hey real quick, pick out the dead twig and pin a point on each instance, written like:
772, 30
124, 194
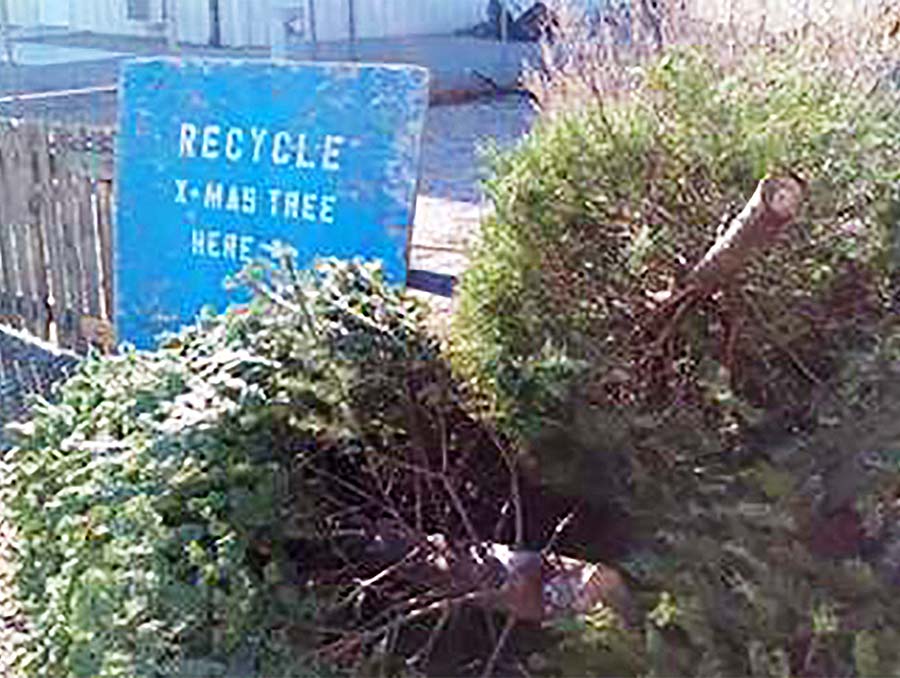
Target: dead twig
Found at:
776, 339
498, 648
557, 531
421, 657
358, 640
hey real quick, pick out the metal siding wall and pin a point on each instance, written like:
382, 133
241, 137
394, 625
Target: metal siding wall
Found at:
246, 22
24, 13
389, 18
193, 21
101, 16
231, 20
333, 19
393, 18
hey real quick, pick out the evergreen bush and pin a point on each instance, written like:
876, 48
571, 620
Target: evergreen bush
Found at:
754, 453
159, 501
603, 208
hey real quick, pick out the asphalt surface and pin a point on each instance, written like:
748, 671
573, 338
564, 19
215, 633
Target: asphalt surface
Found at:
63, 77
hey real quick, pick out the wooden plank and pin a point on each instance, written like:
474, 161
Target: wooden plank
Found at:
28, 306
90, 254
74, 269
11, 196
10, 282
17, 253
39, 151
88, 245
105, 222
96, 327
7, 279
37, 263
48, 168
20, 191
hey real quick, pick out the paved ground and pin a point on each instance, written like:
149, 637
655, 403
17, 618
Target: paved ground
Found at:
79, 61
450, 201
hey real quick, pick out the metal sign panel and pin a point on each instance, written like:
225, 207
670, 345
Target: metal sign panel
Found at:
218, 158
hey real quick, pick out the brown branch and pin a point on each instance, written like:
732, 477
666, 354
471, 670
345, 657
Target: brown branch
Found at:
775, 204
357, 640
498, 648
779, 342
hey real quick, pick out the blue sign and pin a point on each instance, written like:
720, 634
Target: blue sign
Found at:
218, 159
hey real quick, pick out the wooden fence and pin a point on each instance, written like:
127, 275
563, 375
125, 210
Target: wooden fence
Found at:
55, 233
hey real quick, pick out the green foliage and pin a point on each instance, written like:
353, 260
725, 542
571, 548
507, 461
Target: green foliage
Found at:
155, 499
756, 458
599, 209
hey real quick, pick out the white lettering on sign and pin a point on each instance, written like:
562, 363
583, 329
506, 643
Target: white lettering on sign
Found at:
188, 137
280, 156
210, 149
181, 186
248, 200
274, 199
309, 206
229, 246
332, 153
214, 244
326, 209
215, 192
295, 151
234, 200
259, 138
298, 205
243, 199
302, 161
292, 205
281, 147
233, 144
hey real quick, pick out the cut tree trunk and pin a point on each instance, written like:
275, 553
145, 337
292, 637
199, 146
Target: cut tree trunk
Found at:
529, 586
775, 204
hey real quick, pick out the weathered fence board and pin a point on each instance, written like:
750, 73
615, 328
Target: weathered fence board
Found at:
56, 233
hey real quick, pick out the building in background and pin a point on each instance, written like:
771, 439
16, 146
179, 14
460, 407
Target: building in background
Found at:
245, 23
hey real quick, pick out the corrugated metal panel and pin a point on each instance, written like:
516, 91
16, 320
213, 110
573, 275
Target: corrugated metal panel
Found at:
193, 21
111, 16
387, 18
333, 19
247, 22
24, 13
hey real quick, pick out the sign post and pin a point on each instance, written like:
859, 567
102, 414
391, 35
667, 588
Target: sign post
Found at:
219, 158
